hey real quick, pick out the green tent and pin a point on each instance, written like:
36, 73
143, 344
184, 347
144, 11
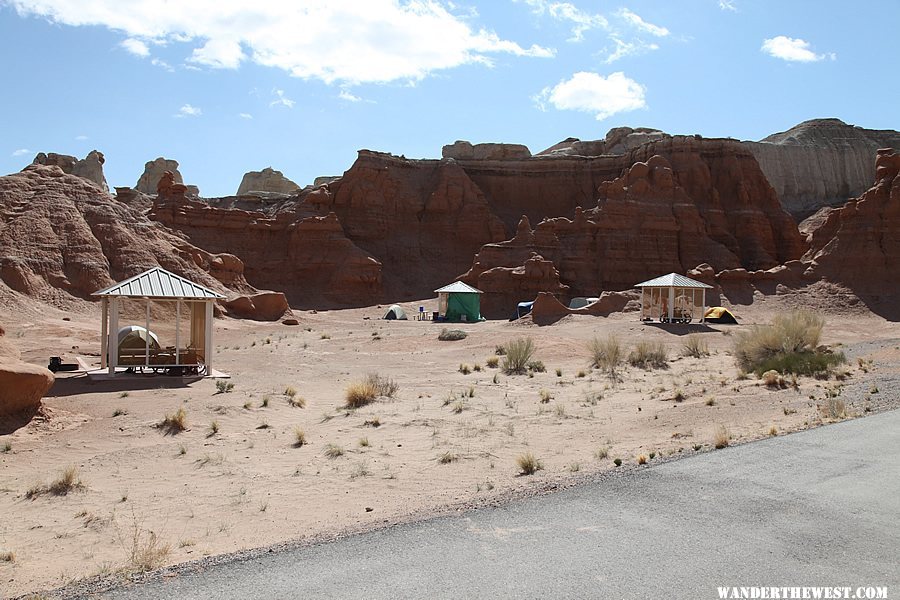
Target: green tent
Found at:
459, 302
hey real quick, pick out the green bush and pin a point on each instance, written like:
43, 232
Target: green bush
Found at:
789, 344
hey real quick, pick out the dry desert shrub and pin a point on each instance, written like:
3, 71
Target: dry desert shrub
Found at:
641, 459
174, 423
492, 362
360, 393
519, 353
789, 344
333, 450
606, 354
648, 355
721, 437
7, 556
834, 408
695, 346
299, 437
528, 464
67, 481
447, 457
773, 378
384, 386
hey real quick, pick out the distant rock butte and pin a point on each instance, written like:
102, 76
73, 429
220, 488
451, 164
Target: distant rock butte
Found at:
463, 150
267, 180
823, 162
89, 168
154, 171
61, 239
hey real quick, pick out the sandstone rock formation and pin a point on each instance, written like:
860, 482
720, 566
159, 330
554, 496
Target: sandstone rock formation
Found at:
262, 306
685, 202
547, 309
154, 171
464, 150
823, 162
524, 282
267, 180
61, 239
309, 258
22, 385
618, 140
90, 167
857, 245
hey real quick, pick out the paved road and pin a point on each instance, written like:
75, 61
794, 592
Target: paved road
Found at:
820, 508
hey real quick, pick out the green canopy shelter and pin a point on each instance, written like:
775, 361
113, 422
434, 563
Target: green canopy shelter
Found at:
459, 302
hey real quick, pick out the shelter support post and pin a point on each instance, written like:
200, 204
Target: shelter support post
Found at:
104, 331
207, 338
177, 330
147, 337
671, 303
113, 345
642, 304
703, 314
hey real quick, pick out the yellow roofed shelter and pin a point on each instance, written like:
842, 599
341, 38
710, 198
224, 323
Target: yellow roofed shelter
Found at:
137, 347
673, 298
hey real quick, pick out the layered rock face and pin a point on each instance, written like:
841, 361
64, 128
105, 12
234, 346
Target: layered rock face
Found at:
858, 244
267, 181
618, 140
89, 168
823, 162
463, 150
154, 171
307, 257
62, 239
686, 201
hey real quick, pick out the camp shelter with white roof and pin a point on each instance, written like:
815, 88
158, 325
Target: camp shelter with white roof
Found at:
673, 298
459, 302
193, 303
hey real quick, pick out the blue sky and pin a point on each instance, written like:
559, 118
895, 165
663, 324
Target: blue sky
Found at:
225, 86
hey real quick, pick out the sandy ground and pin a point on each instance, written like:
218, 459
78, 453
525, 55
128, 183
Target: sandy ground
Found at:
247, 485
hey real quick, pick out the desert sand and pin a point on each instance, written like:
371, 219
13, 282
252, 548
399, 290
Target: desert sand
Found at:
198, 493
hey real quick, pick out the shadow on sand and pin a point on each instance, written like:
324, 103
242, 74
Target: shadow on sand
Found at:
82, 384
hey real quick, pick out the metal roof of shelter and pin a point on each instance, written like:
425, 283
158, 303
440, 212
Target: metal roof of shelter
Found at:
458, 287
674, 280
159, 283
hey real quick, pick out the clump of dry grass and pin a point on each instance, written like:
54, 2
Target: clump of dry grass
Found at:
492, 362
721, 437
605, 354
174, 423
384, 386
789, 344
213, 429
333, 450
373, 422
649, 355
545, 396
695, 346
641, 459
464, 369
447, 457
297, 401
601, 453
145, 550
7, 556
67, 481
299, 437
834, 408
458, 406
773, 378
519, 353
528, 464
360, 393
773, 431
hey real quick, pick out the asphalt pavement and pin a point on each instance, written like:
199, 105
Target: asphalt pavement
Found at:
816, 508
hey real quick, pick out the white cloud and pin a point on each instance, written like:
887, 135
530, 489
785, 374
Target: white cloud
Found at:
345, 95
352, 42
281, 99
642, 25
21, 152
245, 115
791, 49
564, 11
156, 62
624, 49
727, 5
81, 138
136, 47
593, 93
189, 111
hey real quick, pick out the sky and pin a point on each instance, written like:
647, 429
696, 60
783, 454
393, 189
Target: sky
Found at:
228, 86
